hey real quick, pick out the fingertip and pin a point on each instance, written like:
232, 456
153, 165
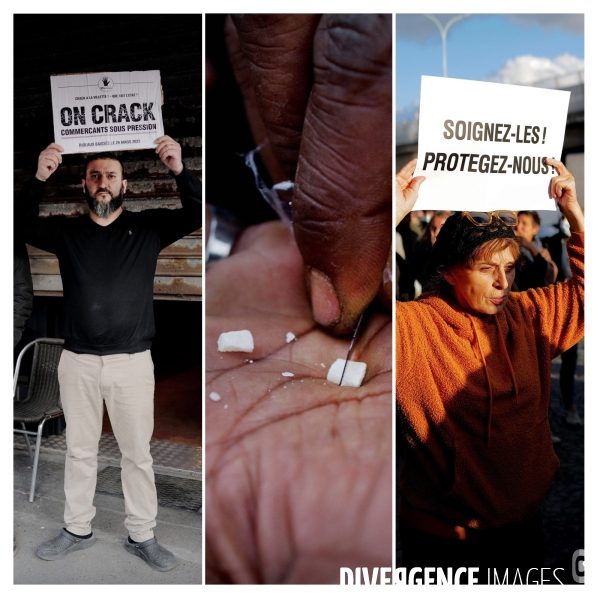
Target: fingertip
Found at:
324, 300
417, 182
332, 307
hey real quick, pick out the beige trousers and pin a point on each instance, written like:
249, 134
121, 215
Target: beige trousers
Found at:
125, 382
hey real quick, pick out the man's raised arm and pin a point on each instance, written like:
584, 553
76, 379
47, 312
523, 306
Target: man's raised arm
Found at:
189, 219
27, 201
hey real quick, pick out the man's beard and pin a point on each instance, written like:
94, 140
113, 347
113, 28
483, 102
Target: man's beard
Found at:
102, 209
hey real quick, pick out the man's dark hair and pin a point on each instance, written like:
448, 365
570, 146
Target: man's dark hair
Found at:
103, 156
534, 215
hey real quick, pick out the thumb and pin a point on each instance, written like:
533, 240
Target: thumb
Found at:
416, 183
342, 207
411, 192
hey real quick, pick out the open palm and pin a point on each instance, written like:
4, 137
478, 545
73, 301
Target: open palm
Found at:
298, 470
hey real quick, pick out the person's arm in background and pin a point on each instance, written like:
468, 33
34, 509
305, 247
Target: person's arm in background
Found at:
551, 268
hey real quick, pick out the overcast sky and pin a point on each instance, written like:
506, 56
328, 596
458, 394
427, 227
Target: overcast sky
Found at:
516, 49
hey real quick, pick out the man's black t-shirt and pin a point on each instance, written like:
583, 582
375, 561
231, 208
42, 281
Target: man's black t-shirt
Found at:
108, 271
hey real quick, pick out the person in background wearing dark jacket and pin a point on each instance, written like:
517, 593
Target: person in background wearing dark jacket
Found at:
23, 290
22, 298
538, 269
424, 246
107, 261
557, 248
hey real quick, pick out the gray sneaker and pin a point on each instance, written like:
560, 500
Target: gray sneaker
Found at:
62, 545
153, 553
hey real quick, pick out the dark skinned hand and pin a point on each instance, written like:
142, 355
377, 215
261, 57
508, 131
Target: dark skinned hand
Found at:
319, 89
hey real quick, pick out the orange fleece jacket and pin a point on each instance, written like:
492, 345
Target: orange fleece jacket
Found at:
473, 394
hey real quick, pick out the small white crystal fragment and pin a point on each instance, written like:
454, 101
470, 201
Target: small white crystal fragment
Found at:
353, 376
215, 396
289, 337
284, 186
236, 340
323, 365
288, 374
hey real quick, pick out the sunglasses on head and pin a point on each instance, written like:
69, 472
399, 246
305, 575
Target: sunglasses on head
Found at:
485, 218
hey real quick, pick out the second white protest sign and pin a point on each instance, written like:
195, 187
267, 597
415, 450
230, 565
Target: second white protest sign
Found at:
481, 145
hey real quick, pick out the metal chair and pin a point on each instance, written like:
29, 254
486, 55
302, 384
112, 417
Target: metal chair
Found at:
43, 398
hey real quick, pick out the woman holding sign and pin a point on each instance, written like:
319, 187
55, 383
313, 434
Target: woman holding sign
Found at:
473, 389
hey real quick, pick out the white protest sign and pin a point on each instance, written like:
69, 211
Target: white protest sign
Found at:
101, 112
481, 145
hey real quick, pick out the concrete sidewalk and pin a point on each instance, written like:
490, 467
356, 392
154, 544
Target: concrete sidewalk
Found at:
107, 562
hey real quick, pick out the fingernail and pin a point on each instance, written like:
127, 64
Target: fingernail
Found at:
323, 298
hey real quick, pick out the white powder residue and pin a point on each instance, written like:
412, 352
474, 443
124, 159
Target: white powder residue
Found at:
215, 396
287, 374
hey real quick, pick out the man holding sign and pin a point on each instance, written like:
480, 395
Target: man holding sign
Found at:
107, 261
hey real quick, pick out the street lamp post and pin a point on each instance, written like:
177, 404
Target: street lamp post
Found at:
443, 32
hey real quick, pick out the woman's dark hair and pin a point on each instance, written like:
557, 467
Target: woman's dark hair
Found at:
458, 242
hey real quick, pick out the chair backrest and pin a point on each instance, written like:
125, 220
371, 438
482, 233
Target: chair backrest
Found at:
43, 381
